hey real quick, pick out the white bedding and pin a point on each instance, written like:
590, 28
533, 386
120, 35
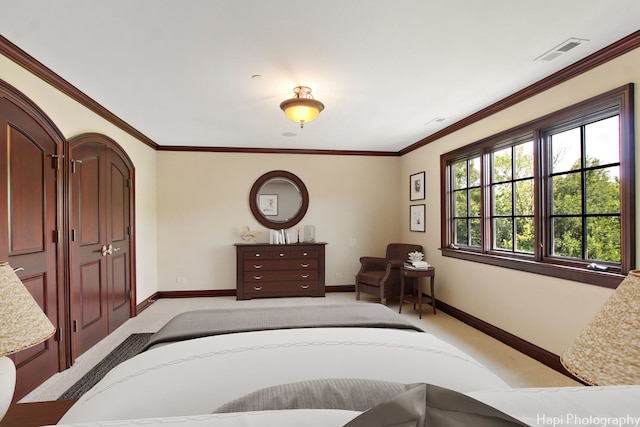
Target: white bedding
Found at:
194, 377
557, 407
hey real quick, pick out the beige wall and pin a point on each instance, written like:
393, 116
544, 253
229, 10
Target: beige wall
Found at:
203, 203
546, 311
73, 119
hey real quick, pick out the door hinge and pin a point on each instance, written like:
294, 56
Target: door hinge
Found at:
75, 326
130, 293
56, 236
58, 334
56, 160
73, 235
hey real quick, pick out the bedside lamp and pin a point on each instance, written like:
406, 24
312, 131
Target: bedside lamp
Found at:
607, 351
23, 324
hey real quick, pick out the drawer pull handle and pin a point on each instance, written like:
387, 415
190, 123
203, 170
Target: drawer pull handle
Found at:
257, 266
304, 265
304, 286
304, 276
257, 288
257, 277
281, 254
304, 254
257, 255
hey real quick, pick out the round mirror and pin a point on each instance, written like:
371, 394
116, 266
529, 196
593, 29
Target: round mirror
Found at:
279, 199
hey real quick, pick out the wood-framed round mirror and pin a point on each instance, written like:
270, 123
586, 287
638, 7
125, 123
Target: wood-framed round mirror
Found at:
279, 199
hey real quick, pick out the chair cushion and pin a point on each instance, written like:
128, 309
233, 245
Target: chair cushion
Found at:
371, 277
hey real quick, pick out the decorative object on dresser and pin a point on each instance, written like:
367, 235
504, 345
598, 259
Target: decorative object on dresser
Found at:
309, 235
284, 270
248, 235
23, 324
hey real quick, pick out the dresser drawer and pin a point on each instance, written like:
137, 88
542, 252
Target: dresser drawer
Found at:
258, 254
286, 288
287, 264
304, 254
280, 276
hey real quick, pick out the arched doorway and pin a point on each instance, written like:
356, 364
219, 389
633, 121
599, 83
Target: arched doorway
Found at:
101, 240
31, 147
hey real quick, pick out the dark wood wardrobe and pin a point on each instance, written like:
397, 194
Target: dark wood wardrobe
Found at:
66, 218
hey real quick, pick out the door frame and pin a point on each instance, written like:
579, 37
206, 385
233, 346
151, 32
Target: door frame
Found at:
93, 137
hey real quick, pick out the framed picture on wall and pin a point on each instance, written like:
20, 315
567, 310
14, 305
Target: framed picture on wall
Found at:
416, 217
416, 190
269, 204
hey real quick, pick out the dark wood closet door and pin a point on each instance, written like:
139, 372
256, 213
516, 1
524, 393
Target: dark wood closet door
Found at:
100, 283
88, 250
28, 229
118, 231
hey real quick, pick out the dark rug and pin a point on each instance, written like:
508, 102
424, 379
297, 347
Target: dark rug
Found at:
127, 349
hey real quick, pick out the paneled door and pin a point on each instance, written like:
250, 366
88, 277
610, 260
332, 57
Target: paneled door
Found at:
29, 224
100, 229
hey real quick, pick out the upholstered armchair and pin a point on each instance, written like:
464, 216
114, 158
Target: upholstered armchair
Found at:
381, 276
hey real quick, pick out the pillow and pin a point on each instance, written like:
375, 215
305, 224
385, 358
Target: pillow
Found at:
432, 406
337, 393
405, 410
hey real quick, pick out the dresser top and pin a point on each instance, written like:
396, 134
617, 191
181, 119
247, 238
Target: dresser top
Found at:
280, 245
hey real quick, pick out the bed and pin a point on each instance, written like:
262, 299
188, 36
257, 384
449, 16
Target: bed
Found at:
202, 362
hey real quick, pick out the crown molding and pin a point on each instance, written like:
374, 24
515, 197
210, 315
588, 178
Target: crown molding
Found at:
37, 68
592, 61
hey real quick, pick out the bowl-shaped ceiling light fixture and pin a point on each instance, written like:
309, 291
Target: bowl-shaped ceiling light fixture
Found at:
302, 108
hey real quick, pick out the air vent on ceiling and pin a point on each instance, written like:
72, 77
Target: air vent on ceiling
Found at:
561, 49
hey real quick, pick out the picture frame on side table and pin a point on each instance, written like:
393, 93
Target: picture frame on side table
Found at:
416, 186
268, 204
416, 218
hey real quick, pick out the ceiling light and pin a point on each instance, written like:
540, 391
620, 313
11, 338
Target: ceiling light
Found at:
302, 108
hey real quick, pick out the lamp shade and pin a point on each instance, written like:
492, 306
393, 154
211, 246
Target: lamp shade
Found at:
23, 324
607, 351
303, 108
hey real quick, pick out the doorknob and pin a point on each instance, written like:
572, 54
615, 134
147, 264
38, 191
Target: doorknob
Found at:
106, 250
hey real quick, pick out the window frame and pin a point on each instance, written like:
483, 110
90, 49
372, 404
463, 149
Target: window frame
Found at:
620, 99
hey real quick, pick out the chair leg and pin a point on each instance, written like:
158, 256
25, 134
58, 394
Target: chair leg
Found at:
357, 295
383, 301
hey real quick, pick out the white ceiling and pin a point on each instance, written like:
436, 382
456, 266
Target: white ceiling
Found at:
180, 71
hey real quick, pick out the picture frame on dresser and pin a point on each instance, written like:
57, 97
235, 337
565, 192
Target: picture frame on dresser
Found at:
417, 218
416, 186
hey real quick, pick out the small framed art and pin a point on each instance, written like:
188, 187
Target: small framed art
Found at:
416, 190
416, 217
269, 204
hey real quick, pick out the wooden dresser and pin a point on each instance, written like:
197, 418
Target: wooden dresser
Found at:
265, 270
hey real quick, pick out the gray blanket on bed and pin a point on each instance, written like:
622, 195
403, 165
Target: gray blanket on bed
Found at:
201, 323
